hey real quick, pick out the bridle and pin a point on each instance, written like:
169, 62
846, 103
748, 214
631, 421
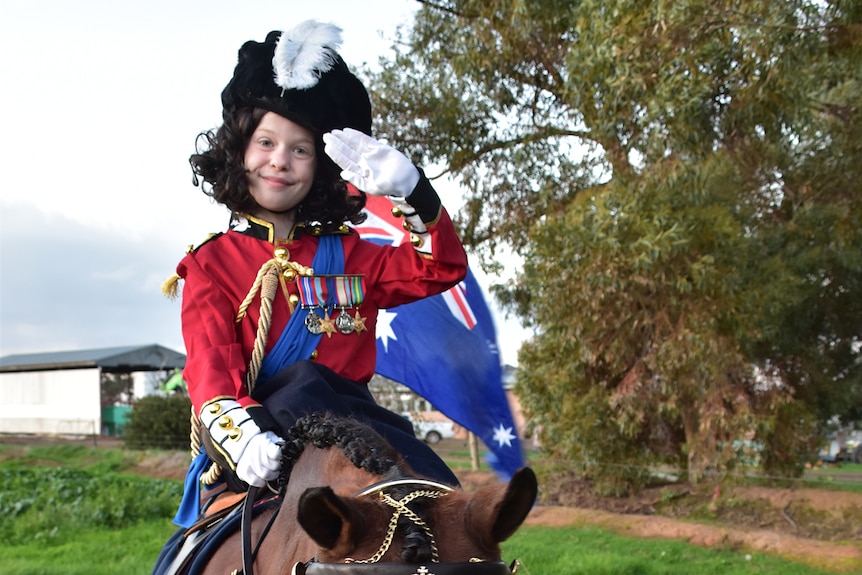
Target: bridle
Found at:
466, 568
432, 490
422, 488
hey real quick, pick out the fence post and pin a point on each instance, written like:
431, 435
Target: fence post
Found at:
473, 441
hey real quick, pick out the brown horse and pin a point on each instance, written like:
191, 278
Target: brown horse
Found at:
347, 503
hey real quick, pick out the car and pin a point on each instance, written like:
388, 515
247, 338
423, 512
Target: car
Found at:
846, 446
430, 428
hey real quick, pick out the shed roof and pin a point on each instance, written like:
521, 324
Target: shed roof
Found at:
111, 359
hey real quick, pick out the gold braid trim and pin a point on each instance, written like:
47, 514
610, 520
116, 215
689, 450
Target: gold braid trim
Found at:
171, 287
267, 294
266, 282
212, 474
400, 508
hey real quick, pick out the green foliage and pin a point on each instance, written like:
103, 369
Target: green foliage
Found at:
50, 505
790, 440
58, 543
94, 460
159, 422
684, 184
116, 388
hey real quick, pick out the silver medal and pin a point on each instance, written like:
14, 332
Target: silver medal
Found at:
312, 323
344, 323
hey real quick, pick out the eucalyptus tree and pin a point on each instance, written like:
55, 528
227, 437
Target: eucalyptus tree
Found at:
682, 183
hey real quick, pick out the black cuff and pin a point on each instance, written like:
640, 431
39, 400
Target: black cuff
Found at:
264, 419
425, 200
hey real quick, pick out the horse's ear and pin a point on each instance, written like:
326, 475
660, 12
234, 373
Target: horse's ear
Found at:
500, 512
325, 517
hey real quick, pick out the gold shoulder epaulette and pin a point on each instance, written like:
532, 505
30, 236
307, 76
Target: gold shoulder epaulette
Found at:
208, 238
171, 286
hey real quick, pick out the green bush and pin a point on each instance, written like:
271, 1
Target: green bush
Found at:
48, 504
159, 422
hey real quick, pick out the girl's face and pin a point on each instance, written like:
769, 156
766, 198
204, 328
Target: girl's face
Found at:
280, 162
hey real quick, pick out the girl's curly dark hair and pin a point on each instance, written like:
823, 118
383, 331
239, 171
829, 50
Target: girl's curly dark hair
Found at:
219, 162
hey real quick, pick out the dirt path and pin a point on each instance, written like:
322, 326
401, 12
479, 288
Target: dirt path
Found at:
819, 528
837, 557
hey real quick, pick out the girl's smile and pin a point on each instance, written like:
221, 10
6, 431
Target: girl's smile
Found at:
280, 162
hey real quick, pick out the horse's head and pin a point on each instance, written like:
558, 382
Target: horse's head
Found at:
416, 521
376, 511
349, 505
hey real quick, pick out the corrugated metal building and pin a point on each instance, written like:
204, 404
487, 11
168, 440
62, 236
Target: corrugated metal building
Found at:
59, 392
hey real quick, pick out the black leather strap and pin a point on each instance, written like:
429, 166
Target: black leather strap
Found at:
482, 568
247, 516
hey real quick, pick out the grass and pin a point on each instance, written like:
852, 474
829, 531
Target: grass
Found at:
593, 551
94, 551
69, 510
842, 477
540, 550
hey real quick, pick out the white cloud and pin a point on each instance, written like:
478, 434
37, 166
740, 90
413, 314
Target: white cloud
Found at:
102, 103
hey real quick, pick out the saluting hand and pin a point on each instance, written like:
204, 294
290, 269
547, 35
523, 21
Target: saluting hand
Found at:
370, 165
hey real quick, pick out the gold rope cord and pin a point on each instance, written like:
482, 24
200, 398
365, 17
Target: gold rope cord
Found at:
266, 282
212, 474
267, 294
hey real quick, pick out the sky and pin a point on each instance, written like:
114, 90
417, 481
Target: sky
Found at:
101, 104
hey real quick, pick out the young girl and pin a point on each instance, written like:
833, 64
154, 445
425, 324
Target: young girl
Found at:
279, 312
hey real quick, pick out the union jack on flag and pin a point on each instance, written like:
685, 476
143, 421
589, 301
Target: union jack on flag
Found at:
445, 349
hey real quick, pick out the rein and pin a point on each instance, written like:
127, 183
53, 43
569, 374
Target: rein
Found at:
248, 554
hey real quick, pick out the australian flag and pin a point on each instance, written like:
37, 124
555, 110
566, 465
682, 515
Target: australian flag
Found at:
444, 348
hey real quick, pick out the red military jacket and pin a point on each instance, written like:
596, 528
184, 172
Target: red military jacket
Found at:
219, 274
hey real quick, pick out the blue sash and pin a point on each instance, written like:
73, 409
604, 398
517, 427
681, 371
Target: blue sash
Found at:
294, 343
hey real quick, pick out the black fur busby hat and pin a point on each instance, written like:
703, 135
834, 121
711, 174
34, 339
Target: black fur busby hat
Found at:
298, 74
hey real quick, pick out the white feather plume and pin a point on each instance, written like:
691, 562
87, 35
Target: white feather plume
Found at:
304, 53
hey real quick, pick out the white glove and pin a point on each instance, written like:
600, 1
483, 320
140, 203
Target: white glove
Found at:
256, 456
370, 165
260, 460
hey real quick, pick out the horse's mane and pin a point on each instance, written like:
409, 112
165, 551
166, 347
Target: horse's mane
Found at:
367, 450
363, 446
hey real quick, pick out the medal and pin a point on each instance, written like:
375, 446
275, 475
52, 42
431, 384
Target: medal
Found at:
359, 323
327, 325
325, 292
344, 322
313, 323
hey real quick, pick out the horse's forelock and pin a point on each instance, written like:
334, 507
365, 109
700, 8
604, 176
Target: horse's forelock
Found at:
362, 446
367, 450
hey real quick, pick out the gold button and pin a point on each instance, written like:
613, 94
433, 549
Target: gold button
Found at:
293, 298
416, 240
396, 211
314, 354
406, 225
214, 408
234, 434
225, 422
289, 274
281, 253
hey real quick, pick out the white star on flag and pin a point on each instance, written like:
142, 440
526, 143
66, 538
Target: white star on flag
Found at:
503, 435
384, 330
